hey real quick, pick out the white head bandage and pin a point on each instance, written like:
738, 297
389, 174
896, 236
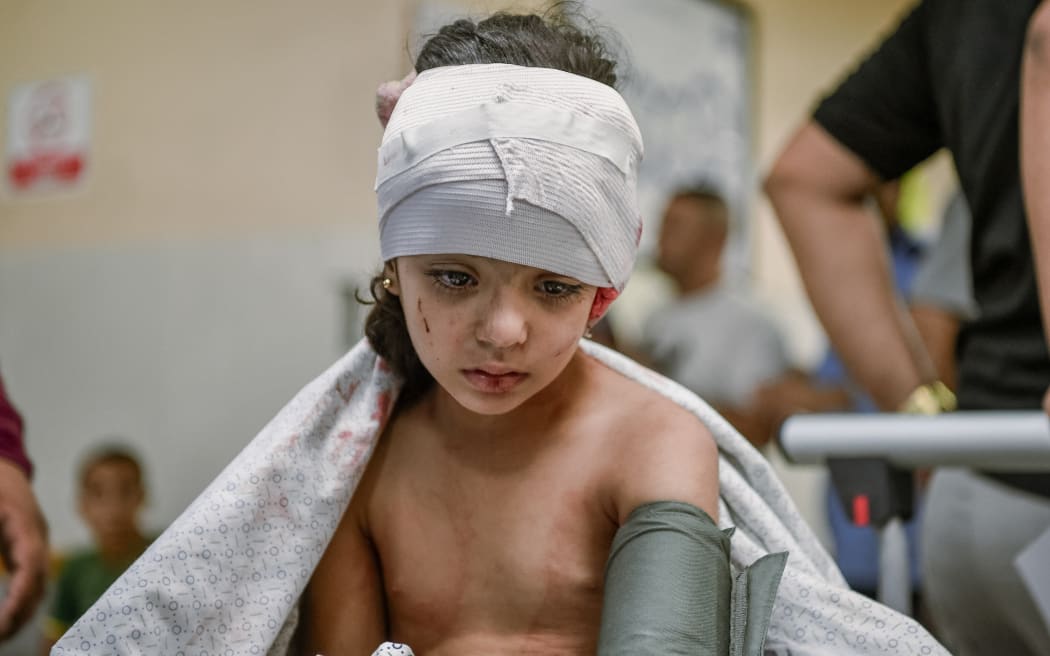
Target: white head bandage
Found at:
534, 166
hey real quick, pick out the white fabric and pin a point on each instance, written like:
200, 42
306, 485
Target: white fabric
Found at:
516, 144
226, 576
458, 219
393, 649
505, 120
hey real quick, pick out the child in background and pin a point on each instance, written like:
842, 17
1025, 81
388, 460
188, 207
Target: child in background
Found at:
110, 498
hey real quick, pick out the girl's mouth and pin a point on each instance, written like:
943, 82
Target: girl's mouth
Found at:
491, 382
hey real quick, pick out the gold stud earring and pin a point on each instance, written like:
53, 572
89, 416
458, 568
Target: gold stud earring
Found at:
387, 282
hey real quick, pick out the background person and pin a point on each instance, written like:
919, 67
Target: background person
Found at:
111, 497
949, 76
828, 388
938, 291
710, 338
23, 531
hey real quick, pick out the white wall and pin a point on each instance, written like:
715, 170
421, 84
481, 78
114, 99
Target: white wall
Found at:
185, 349
193, 283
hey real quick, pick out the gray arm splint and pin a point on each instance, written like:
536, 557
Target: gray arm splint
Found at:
670, 590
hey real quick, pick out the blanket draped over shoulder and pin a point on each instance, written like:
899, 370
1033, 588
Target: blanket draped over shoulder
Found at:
225, 578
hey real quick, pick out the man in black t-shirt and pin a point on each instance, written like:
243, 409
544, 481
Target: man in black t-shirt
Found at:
972, 76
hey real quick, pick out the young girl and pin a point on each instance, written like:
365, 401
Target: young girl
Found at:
527, 492
485, 518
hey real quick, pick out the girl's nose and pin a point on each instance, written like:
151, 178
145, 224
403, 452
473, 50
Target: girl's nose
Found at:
503, 323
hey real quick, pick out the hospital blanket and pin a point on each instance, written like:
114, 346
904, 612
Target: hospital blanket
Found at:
225, 578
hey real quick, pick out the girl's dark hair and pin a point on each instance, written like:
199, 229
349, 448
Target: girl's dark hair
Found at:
552, 40
387, 333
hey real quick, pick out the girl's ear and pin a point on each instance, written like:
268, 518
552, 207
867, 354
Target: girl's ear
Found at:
603, 298
390, 280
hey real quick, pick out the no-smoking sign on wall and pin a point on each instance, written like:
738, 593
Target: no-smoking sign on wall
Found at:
49, 134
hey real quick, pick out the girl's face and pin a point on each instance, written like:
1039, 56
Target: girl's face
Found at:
491, 333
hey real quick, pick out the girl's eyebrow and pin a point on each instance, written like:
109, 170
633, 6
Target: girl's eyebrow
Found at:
569, 280
439, 261
444, 257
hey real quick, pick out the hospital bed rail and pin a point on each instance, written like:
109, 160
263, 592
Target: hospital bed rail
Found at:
871, 458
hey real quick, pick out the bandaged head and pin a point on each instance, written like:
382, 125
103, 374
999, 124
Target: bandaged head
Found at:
534, 166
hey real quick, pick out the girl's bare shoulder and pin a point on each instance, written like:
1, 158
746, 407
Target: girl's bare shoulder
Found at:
634, 406
659, 451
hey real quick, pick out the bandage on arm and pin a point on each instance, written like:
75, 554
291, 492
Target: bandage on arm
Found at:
669, 588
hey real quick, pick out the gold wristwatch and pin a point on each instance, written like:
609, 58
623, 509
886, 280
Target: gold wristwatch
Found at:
929, 399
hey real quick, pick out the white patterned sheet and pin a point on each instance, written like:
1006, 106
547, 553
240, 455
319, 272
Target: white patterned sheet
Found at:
225, 578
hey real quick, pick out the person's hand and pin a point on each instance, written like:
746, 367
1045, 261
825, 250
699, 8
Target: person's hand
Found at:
795, 392
388, 94
781, 397
23, 546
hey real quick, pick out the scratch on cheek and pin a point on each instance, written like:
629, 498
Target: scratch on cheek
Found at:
419, 306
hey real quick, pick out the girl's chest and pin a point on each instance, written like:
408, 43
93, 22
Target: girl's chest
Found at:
459, 549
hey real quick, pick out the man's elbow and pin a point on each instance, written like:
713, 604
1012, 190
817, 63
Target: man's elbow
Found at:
796, 170
790, 181
781, 179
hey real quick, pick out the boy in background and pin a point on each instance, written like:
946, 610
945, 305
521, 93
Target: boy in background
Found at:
111, 496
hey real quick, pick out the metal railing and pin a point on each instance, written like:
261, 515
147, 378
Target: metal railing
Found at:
868, 453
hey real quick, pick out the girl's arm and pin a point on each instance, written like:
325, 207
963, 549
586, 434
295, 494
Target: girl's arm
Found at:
667, 580
342, 609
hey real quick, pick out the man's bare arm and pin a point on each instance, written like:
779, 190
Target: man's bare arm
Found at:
939, 330
818, 188
1035, 152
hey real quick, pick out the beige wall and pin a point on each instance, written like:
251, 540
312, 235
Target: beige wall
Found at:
803, 47
210, 118
213, 118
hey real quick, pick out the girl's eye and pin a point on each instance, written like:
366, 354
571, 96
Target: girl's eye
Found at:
558, 289
451, 279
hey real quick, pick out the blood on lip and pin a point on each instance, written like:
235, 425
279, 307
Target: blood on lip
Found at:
491, 382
